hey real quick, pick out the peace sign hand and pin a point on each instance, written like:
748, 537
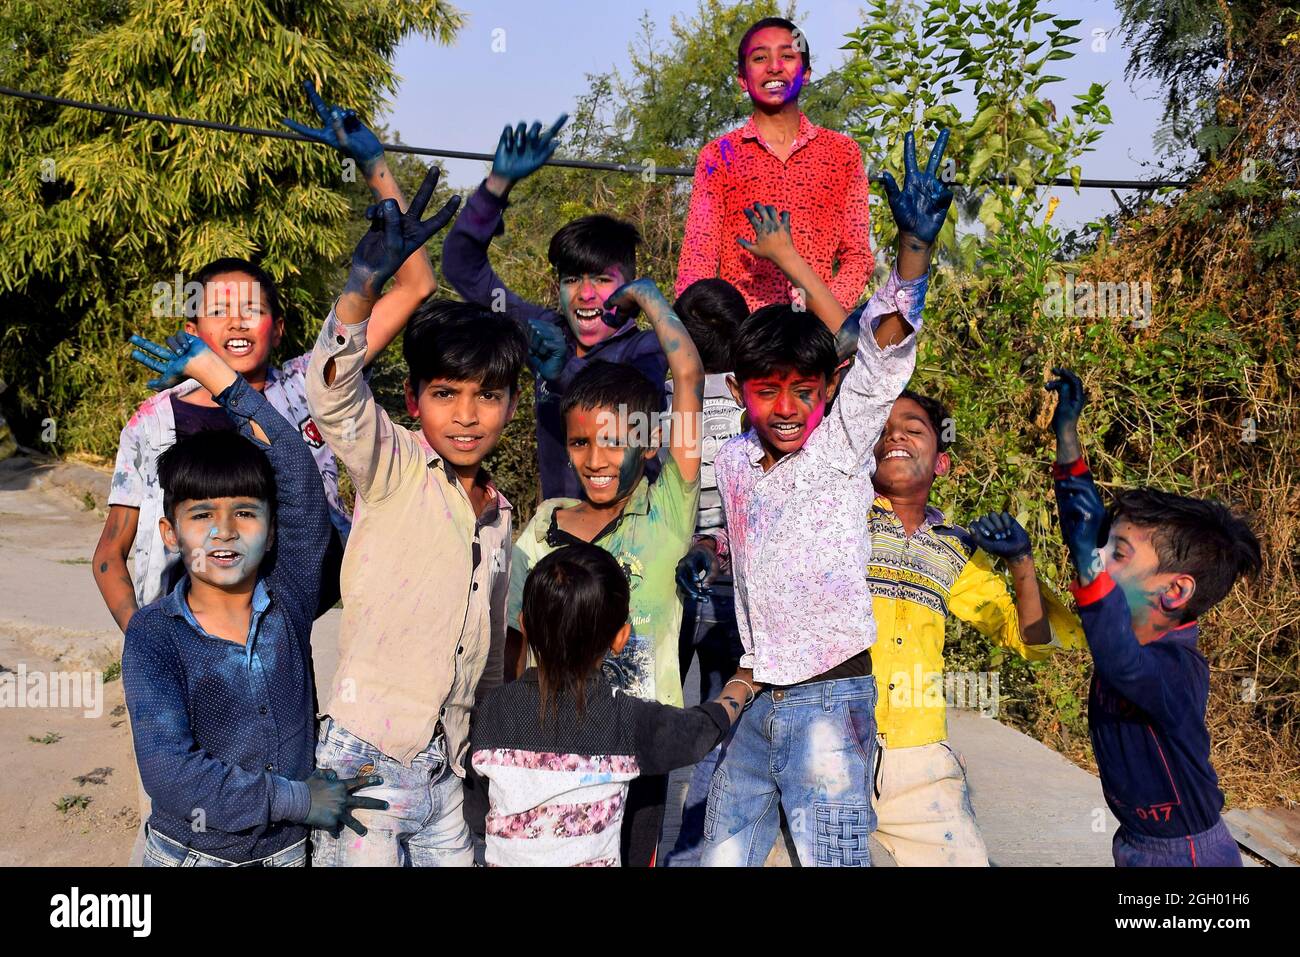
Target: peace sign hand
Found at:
343, 130
394, 235
921, 206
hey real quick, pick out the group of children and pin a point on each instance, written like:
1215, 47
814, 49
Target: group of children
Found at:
518, 700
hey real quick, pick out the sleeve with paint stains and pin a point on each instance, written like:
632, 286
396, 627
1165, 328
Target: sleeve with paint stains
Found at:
702, 243
133, 459
178, 774
667, 738
846, 439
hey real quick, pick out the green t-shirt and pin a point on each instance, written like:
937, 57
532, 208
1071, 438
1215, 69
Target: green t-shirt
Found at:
650, 538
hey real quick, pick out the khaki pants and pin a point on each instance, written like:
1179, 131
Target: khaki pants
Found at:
924, 816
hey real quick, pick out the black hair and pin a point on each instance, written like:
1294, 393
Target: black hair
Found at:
936, 412
214, 464
575, 602
712, 311
464, 343
780, 338
226, 264
613, 385
1193, 536
784, 24
591, 244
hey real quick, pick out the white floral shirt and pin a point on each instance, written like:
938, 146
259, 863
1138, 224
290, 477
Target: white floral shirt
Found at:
152, 430
799, 546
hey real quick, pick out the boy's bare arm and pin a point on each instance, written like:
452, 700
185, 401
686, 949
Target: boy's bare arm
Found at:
109, 564
1001, 536
773, 242
683, 362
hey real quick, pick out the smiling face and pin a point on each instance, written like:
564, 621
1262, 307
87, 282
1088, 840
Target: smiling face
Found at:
783, 408
1132, 561
461, 420
773, 73
581, 301
608, 465
222, 541
236, 322
907, 454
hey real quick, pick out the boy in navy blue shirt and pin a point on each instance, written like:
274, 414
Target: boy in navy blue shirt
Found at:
1166, 560
218, 673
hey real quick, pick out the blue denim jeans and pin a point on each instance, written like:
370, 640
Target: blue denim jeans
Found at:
424, 825
1213, 847
810, 749
708, 630
160, 851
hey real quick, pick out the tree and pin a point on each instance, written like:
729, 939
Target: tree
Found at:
95, 210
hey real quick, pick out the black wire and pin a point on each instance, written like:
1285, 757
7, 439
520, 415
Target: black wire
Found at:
460, 154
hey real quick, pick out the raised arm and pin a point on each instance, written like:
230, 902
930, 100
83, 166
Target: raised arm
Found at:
683, 362
1001, 535
414, 281
773, 242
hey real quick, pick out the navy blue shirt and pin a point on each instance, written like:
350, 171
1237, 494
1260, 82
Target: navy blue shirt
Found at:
225, 733
465, 265
1146, 717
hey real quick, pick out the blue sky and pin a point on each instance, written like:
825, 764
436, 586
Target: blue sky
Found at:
459, 97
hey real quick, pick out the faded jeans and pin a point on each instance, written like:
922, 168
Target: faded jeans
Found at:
811, 750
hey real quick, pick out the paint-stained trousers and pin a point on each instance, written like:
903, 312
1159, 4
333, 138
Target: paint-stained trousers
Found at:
924, 816
809, 750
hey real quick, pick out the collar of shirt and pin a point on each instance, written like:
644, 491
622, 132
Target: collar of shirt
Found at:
177, 604
497, 502
806, 133
933, 516
638, 504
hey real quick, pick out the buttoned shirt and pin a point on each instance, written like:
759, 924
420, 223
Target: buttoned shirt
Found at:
822, 184
424, 578
799, 545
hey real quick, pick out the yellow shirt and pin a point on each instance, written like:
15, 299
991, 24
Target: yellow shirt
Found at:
915, 583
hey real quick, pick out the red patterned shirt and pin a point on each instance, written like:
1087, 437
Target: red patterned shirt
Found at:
822, 185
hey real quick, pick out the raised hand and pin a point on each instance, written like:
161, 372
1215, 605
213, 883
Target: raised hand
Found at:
547, 349
629, 299
171, 361
1070, 400
921, 206
393, 236
332, 801
1001, 535
696, 571
343, 130
521, 152
772, 239
1083, 522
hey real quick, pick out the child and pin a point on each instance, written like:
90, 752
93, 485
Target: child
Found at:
218, 673
778, 157
711, 310
610, 415
1167, 560
425, 572
923, 569
795, 488
592, 257
239, 316
560, 745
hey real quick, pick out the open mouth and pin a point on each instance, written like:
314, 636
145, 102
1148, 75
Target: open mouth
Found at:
787, 430
224, 557
600, 482
589, 317
239, 346
897, 454
465, 443
775, 86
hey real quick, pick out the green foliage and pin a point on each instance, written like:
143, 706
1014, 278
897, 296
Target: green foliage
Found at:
908, 67
94, 210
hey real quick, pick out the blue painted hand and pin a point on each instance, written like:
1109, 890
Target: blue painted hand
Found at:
394, 236
343, 130
522, 151
169, 361
1001, 535
333, 800
1083, 520
921, 206
547, 349
772, 237
1070, 400
696, 571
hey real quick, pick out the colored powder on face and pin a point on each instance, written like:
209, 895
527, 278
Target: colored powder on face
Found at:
630, 471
